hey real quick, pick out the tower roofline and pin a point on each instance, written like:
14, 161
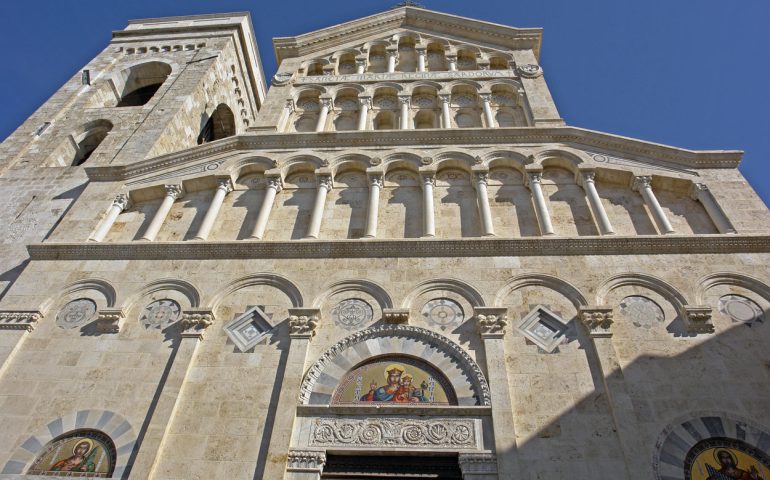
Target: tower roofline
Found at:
409, 17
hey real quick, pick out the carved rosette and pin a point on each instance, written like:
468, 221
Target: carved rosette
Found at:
395, 316
698, 319
481, 463
433, 433
491, 322
529, 70
306, 461
195, 322
303, 322
109, 320
19, 319
597, 320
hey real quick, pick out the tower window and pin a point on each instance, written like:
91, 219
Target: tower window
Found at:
141, 82
220, 125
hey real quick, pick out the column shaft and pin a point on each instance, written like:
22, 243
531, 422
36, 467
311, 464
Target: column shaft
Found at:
490, 119
363, 113
172, 193
404, 113
543, 217
644, 186
428, 214
273, 187
452, 63
321, 125
485, 212
702, 193
446, 117
375, 183
391, 62
420, 60
605, 228
224, 187
118, 205
360, 67
324, 185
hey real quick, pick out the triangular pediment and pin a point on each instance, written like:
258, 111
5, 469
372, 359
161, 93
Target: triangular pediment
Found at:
384, 25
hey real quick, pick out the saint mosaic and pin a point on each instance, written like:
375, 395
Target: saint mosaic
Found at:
78, 455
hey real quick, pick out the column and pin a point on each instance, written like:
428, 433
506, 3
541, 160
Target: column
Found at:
428, 214
701, 193
643, 185
363, 112
120, 203
487, 228
392, 54
446, 117
486, 98
543, 217
288, 109
405, 101
302, 326
491, 324
324, 185
161, 415
375, 184
360, 65
274, 186
326, 104
421, 54
597, 321
224, 186
452, 59
173, 192
588, 184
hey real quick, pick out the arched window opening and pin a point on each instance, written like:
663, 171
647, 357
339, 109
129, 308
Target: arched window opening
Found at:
220, 125
385, 120
467, 118
466, 60
425, 119
498, 63
88, 141
378, 62
314, 70
141, 82
347, 64
81, 453
306, 123
407, 55
345, 122
436, 58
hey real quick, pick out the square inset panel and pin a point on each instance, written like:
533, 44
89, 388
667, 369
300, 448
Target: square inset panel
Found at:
544, 328
248, 329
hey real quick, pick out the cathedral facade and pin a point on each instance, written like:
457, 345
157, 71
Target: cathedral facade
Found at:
396, 262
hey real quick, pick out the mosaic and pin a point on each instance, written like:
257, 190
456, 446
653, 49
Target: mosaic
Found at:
83, 454
642, 311
740, 309
443, 312
396, 380
160, 314
76, 313
352, 313
726, 459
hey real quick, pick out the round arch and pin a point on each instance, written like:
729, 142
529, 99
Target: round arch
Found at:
655, 284
571, 292
459, 287
375, 290
271, 279
184, 287
100, 285
729, 278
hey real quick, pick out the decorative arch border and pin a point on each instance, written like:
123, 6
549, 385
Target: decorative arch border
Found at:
571, 292
655, 284
459, 287
270, 279
110, 423
100, 285
676, 440
184, 287
446, 346
729, 278
375, 290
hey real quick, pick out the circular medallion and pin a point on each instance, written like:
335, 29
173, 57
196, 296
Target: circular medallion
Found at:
725, 458
740, 309
443, 312
76, 313
160, 314
642, 311
352, 313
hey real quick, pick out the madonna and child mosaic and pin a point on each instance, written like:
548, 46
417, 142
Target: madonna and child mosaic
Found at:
726, 459
81, 455
403, 380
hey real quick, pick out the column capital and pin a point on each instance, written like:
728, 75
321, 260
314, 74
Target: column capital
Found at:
303, 322
309, 461
483, 64
122, 201
534, 176
19, 319
375, 179
194, 322
275, 182
405, 99
290, 105
491, 321
640, 182
225, 183
485, 97
481, 177
451, 57
396, 315
421, 49
445, 97
698, 189
109, 320
697, 318
174, 191
325, 180
361, 60
365, 100
597, 320
391, 50
427, 176
326, 101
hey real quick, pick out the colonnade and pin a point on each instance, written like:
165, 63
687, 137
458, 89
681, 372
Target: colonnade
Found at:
641, 184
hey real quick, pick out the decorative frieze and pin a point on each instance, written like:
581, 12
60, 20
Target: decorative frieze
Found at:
597, 320
311, 461
396, 316
19, 319
303, 322
405, 76
194, 322
109, 320
376, 432
698, 319
478, 463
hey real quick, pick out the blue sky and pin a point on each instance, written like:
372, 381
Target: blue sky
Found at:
693, 74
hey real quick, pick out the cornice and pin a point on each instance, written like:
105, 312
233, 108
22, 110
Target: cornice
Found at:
469, 247
255, 141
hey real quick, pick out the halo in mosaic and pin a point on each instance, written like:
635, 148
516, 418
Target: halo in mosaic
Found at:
443, 312
740, 309
82, 454
160, 314
76, 313
642, 311
352, 313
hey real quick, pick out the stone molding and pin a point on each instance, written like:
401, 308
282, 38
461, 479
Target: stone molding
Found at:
478, 463
466, 363
19, 319
405, 76
303, 322
194, 322
491, 321
467, 247
395, 316
698, 319
311, 461
110, 320
433, 433
597, 320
